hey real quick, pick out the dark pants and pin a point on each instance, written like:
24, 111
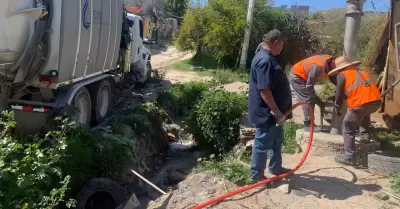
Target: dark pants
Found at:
357, 119
299, 86
268, 139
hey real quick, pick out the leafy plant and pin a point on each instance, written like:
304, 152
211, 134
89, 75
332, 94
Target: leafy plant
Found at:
215, 121
215, 32
228, 168
181, 98
290, 145
30, 175
395, 182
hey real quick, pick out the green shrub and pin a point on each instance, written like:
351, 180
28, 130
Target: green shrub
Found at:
181, 98
229, 76
215, 32
227, 168
91, 155
290, 145
215, 122
395, 182
30, 174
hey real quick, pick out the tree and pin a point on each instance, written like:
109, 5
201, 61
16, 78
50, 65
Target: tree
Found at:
177, 7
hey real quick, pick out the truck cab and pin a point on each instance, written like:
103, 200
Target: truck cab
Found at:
140, 55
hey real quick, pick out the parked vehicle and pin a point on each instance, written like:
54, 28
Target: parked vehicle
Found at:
66, 58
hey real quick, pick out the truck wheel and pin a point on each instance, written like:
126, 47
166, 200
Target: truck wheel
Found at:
102, 97
149, 69
100, 193
82, 107
147, 76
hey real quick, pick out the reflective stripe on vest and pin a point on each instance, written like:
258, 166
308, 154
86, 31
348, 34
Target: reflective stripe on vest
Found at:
302, 68
358, 81
307, 70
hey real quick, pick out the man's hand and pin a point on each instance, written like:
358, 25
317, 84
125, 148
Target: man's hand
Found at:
337, 109
280, 118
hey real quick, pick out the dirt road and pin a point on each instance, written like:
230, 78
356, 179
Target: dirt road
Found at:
320, 183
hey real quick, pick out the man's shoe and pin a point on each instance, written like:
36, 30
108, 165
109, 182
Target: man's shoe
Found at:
342, 160
270, 185
282, 171
317, 129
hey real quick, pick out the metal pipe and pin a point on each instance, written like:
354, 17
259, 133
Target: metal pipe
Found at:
148, 182
353, 22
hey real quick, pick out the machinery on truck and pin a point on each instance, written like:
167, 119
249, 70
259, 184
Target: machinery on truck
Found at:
62, 55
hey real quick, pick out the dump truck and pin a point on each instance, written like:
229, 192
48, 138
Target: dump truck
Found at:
63, 57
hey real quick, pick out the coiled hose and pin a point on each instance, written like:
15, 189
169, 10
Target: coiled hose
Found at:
276, 178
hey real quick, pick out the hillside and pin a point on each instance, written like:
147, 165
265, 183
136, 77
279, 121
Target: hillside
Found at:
333, 20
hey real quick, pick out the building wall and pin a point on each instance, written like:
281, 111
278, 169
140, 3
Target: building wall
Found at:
392, 99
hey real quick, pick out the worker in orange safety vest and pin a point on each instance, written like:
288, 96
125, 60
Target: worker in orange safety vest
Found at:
363, 99
303, 77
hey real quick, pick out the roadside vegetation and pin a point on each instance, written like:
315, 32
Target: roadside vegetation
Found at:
48, 170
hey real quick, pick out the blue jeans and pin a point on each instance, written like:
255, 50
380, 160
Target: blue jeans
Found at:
268, 139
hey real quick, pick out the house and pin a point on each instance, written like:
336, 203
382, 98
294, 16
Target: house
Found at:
386, 45
303, 10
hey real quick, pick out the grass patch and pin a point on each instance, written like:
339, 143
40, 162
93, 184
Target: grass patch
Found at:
181, 98
221, 76
227, 168
385, 135
290, 145
182, 65
395, 182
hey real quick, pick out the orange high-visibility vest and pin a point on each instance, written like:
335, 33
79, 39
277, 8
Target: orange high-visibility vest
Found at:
359, 88
302, 68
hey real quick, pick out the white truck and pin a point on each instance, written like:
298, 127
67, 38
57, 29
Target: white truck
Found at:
58, 55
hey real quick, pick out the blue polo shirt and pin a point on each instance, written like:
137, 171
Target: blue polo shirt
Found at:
267, 73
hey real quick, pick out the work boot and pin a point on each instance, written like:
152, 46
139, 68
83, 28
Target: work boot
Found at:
270, 185
281, 171
307, 127
342, 160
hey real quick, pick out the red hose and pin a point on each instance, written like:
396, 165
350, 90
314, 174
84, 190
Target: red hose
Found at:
252, 186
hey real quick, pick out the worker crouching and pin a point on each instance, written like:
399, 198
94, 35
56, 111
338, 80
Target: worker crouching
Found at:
363, 99
303, 77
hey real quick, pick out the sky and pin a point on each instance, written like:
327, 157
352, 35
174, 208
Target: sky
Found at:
380, 5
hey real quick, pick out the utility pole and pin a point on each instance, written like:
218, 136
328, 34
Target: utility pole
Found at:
353, 22
247, 33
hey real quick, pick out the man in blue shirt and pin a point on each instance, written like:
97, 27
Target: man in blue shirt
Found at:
269, 98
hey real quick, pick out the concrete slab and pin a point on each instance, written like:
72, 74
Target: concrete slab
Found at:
325, 144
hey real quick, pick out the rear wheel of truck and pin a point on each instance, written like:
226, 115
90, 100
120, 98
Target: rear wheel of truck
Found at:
82, 107
102, 97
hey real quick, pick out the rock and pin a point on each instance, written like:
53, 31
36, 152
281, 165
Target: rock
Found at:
285, 188
249, 145
176, 176
171, 136
381, 195
161, 202
132, 203
248, 131
150, 97
211, 191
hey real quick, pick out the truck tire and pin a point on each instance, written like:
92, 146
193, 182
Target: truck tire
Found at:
382, 164
147, 76
149, 70
102, 97
82, 107
100, 193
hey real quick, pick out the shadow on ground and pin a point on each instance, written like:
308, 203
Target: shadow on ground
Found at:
328, 187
